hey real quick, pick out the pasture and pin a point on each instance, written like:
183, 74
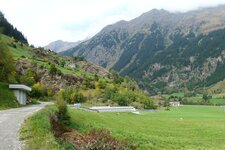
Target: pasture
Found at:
186, 127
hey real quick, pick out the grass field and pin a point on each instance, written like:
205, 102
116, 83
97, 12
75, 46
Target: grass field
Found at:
186, 127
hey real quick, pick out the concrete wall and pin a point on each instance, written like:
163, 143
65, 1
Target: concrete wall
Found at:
113, 109
20, 96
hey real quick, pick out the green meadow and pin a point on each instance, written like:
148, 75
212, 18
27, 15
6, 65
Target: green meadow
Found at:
185, 127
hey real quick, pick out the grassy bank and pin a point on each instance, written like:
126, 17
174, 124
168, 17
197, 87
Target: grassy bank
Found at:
187, 127
7, 98
36, 131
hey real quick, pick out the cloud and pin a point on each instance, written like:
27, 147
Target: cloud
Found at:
43, 21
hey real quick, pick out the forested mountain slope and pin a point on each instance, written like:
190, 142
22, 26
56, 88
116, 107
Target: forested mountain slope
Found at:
163, 51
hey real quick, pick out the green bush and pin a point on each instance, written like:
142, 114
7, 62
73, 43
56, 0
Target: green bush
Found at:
149, 104
62, 113
206, 97
38, 90
54, 70
109, 92
121, 99
72, 95
102, 83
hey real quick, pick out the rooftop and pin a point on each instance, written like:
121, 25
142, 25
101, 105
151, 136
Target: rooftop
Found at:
19, 86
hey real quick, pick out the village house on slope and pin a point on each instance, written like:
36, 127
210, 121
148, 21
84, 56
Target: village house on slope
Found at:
19, 91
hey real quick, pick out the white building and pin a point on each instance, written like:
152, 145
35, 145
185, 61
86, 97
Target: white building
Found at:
113, 109
19, 91
176, 104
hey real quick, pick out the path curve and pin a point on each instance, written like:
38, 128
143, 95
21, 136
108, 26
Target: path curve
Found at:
10, 123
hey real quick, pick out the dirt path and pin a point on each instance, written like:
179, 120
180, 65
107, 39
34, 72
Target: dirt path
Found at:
10, 123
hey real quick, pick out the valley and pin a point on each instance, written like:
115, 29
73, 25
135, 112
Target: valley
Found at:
167, 67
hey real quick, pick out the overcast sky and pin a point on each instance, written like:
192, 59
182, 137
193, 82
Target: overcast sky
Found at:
44, 21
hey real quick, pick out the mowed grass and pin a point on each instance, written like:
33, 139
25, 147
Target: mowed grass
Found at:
186, 127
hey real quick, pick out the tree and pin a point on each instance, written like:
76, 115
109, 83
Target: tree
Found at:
7, 67
102, 83
149, 104
62, 63
53, 70
72, 95
9, 30
206, 97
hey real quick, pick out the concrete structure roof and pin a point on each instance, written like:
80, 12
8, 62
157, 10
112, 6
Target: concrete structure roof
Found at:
20, 87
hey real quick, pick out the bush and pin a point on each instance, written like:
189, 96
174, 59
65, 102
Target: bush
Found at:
109, 92
121, 99
190, 94
102, 84
72, 95
62, 63
62, 113
53, 70
38, 91
206, 97
148, 104
27, 79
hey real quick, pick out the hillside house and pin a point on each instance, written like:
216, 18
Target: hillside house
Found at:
19, 91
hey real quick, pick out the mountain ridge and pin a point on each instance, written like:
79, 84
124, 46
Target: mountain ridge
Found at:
59, 45
157, 47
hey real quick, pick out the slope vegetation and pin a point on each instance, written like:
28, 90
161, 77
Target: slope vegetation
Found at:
161, 50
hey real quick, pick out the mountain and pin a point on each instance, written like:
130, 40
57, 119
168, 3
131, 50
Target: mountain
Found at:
9, 30
72, 79
59, 45
162, 50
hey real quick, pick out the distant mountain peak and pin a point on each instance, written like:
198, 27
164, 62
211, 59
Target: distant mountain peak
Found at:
59, 45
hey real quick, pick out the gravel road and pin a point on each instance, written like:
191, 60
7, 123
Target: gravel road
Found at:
10, 123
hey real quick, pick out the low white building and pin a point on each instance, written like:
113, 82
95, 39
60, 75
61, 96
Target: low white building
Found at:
176, 104
113, 109
19, 91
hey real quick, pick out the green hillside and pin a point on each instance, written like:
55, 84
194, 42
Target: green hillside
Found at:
78, 80
7, 98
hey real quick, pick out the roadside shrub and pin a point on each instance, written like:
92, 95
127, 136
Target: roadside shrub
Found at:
62, 113
38, 91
